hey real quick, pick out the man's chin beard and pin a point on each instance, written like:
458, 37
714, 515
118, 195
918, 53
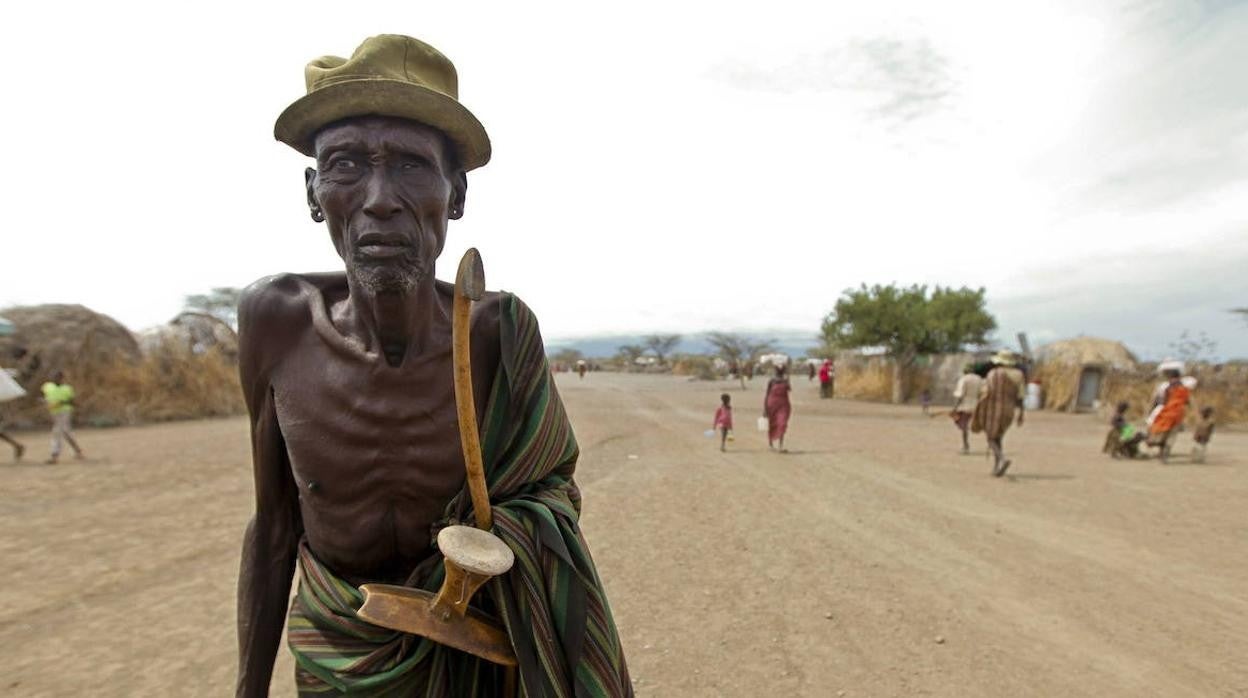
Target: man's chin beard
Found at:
387, 278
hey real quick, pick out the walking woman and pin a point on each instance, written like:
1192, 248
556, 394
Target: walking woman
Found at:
776, 408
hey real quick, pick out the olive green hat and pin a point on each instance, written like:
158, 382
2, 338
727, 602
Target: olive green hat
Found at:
388, 75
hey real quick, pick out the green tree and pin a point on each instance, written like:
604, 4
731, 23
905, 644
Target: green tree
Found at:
661, 345
907, 323
220, 302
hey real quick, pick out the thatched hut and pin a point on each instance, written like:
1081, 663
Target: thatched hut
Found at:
1073, 372
85, 344
67, 337
199, 332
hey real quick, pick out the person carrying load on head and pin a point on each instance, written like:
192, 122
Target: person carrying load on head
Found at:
1169, 413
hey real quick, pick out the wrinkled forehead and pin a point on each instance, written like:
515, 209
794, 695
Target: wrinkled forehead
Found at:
384, 134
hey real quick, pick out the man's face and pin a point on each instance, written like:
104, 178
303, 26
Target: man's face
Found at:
387, 187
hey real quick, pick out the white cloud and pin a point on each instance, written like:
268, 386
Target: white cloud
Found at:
632, 187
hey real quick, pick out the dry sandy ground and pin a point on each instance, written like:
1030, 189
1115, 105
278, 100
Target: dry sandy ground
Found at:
872, 560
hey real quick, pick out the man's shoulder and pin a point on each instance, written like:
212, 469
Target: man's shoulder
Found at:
273, 312
286, 297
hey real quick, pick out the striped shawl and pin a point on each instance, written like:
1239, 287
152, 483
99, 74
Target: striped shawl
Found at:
551, 602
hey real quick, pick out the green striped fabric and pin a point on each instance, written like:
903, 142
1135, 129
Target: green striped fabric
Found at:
551, 602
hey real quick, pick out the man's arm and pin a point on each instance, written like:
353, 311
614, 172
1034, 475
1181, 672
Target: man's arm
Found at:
271, 541
1022, 399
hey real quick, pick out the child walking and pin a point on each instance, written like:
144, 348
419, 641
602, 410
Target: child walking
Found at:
723, 420
1204, 432
59, 397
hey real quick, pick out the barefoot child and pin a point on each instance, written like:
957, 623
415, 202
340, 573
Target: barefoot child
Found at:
723, 419
1123, 440
1204, 432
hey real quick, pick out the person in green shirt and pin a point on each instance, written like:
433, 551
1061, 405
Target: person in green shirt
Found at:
59, 397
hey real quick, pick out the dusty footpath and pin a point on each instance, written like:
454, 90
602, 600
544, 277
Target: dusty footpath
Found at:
872, 560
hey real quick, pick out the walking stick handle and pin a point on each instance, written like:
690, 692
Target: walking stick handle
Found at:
469, 287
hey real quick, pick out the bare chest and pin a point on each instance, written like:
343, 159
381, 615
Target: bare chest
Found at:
363, 433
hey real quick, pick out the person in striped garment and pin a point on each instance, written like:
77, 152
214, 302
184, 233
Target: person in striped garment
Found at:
348, 383
1002, 396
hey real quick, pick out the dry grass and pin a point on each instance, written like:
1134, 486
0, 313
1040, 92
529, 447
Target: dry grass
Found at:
872, 379
1061, 383
868, 380
701, 367
168, 382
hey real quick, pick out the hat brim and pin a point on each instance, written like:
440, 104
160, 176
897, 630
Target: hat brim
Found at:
299, 123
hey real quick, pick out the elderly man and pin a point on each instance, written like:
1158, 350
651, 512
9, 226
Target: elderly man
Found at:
348, 380
1002, 394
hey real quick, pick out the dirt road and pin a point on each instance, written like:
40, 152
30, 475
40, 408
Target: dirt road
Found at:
872, 560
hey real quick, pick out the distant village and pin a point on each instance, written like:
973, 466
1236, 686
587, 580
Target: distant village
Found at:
186, 369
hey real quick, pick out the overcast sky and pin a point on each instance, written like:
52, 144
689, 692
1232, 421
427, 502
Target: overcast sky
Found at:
669, 166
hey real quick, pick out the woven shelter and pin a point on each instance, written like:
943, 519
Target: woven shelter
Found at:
200, 332
67, 337
1073, 372
85, 344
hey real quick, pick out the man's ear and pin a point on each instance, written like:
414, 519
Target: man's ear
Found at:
314, 208
459, 192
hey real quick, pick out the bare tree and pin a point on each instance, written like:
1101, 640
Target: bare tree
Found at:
755, 349
661, 345
1196, 348
738, 349
629, 353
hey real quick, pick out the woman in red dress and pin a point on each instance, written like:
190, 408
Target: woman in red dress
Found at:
776, 409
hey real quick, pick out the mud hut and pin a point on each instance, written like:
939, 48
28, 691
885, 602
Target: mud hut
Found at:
1073, 372
199, 332
87, 345
67, 337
